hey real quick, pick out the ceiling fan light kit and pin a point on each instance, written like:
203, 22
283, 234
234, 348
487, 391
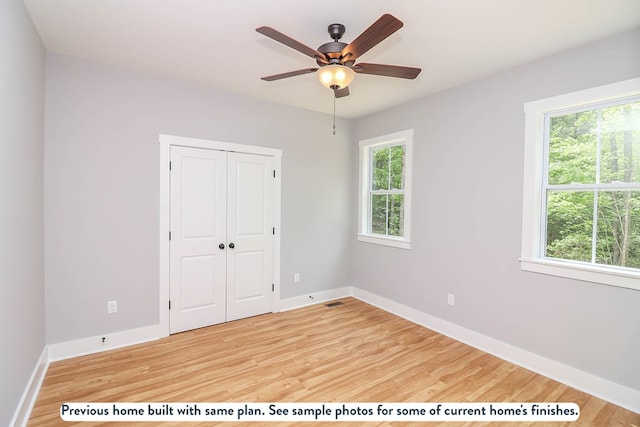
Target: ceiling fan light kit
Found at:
335, 76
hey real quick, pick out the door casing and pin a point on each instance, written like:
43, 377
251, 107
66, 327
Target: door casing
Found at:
166, 141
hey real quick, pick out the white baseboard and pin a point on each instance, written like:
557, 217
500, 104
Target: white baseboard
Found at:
30, 394
604, 389
610, 391
83, 346
314, 298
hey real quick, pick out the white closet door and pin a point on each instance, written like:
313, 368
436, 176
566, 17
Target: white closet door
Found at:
198, 228
250, 219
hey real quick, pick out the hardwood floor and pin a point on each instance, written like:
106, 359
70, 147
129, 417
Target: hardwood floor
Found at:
349, 353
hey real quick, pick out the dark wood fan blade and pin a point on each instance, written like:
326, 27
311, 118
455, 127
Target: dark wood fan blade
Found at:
378, 31
294, 44
289, 74
339, 93
387, 70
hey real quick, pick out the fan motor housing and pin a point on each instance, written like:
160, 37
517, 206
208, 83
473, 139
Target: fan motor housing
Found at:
332, 50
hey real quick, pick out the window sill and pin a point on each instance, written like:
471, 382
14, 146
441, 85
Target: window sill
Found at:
619, 277
385, 241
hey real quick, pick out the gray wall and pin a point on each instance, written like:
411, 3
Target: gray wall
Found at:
101, 183
22, 331
467, 206
102, 189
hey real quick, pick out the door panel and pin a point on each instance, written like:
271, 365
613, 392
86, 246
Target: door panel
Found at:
197, 275
249, 274
199, 196
250, 214
250, 183
198, 226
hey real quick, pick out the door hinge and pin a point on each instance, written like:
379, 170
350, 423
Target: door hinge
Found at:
169, 304
169, 165
169, 235
273, 287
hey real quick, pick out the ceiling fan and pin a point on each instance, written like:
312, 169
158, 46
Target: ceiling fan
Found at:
337, 60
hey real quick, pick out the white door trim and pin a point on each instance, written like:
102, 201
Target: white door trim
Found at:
166, 141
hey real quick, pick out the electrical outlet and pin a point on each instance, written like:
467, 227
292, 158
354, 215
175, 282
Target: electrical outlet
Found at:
296, 278
112, 307
451, 299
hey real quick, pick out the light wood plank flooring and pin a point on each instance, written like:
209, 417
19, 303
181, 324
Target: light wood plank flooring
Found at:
349, 353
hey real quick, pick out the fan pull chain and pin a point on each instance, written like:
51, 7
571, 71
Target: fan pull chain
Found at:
334, 113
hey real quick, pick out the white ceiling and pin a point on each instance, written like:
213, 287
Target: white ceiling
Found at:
214, 43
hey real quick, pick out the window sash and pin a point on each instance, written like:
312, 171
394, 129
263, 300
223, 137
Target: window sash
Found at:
386, 193
597, 217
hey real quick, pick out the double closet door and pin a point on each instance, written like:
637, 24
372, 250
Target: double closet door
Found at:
222, 243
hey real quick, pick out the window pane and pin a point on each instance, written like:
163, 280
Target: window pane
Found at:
620, 145
380, 169
573, 145
619, 229
379, 213
397, 167
569, 225
396, 215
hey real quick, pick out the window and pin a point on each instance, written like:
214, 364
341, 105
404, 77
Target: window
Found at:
385, 190
581, 210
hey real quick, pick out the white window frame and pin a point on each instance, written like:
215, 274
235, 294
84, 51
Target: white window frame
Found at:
533, 211
364, 209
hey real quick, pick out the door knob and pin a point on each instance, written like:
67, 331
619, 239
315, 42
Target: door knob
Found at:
231, 245
221, 245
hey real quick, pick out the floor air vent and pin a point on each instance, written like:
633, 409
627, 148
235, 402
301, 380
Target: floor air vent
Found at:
334, 304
